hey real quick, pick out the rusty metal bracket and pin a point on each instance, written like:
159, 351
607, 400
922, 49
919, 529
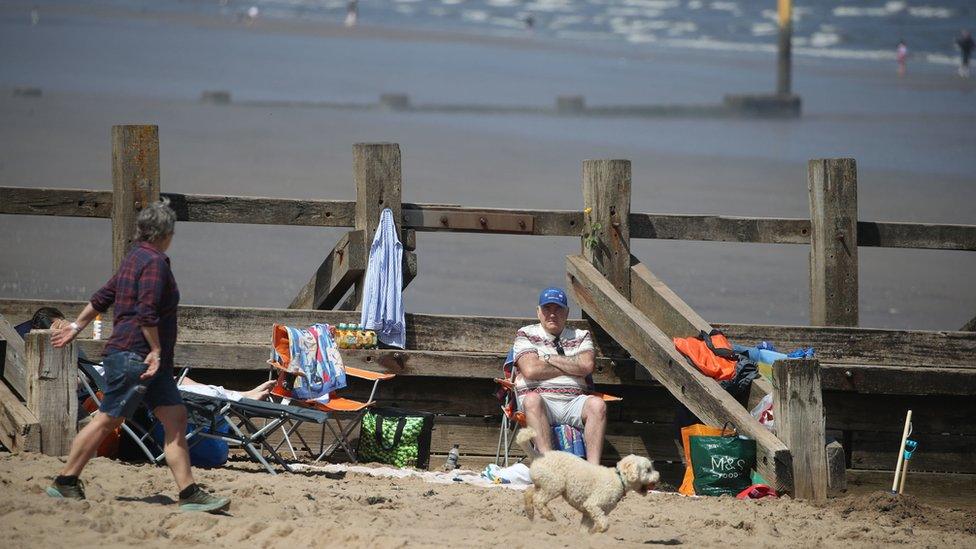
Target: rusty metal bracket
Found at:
474, 221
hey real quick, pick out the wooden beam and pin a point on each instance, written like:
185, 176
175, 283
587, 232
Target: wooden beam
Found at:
262, 211
832, 184
19, 429
14, 368
59, 202
468, 365
720, 228
843, 345
916, 235
606, 228
52, 391
135, 182
800, 424
655, 352
377, 171
340, 270
969, 326
202, 208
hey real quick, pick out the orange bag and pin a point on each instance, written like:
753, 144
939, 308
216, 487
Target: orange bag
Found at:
110, 444
711, 353
688, 483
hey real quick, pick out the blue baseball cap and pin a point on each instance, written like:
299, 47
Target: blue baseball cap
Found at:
553, 295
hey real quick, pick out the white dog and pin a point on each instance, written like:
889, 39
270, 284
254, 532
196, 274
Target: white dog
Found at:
591, 489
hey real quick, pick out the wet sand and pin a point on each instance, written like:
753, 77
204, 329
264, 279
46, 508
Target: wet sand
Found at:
913, 141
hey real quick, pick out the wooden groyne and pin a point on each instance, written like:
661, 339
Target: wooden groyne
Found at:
865, 378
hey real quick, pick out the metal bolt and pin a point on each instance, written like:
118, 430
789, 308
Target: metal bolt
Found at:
483, 221
444, 220
522, 224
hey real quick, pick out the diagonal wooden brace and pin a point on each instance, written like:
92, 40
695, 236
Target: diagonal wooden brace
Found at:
344, 265
655, 352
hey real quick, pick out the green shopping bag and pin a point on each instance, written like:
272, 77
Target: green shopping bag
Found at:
722, 464
396, 437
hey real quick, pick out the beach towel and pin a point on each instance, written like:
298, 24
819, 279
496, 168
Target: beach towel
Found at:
383, 287
312, 354
569, 439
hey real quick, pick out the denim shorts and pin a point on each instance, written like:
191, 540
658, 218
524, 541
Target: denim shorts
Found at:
122, 371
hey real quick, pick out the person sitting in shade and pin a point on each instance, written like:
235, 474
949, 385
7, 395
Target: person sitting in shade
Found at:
551, 385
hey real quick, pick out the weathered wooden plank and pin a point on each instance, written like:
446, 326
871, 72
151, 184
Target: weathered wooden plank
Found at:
839, 345
52, 390
341, 268
262, 211
916, 235
720, 228
135, 182
832, 184
19, 429
659, 303
899, 380
427, 218
969, 326
657, 354
14, 367
886, 413
450, 220
800, 424
60, 202
238, 357
936, 452
606, 220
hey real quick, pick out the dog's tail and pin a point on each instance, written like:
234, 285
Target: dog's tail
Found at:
524, 439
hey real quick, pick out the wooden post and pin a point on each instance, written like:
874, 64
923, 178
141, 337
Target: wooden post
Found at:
52, 377
798, 403
836, 469
376, 168
135, 181
784, 55
606, 198
832, 184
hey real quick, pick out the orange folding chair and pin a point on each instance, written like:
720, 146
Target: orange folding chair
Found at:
345, 414
512, 418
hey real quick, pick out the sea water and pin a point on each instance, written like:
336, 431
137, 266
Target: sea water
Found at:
858, 29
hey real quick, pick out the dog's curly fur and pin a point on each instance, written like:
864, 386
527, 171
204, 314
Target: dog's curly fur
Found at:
591, 489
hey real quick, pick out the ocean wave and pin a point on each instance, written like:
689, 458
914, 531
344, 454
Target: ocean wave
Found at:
930, 12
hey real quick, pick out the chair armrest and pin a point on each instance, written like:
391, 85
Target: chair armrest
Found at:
367, 374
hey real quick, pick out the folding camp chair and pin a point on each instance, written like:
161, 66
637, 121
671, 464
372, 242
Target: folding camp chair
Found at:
512, 418
209, 414
346, 413
94, 383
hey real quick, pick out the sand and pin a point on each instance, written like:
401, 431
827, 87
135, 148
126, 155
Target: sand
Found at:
134, 505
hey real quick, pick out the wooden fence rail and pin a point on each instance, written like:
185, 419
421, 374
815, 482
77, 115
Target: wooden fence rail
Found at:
201, 208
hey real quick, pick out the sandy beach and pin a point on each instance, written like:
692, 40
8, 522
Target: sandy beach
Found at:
131, 504
912, 138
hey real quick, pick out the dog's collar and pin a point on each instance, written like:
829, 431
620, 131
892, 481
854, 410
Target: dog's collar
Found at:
621, 479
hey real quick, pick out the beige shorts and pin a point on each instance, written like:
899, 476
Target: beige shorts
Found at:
562, 411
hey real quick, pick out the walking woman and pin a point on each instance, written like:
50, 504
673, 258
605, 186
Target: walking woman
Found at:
138, 359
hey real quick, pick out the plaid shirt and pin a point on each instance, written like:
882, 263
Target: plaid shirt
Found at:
145, 294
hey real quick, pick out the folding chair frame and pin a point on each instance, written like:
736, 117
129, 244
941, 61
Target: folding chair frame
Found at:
335, 408
88, 375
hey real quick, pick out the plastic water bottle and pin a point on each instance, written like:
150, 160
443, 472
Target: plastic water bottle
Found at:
452, 459
97, 328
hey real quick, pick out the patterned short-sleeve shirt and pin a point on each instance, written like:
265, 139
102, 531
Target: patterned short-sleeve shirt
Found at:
535, 339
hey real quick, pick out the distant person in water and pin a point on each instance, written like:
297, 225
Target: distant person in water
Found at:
965, 44
352, 13
529, 22
901, 53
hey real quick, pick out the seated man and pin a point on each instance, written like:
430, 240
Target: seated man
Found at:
551, 386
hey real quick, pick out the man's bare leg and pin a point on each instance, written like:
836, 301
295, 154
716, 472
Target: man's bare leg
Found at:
86, 442
594, 428
177, 452
536, 417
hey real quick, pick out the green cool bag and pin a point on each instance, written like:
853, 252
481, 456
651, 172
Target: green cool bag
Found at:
722, 464
396, 437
